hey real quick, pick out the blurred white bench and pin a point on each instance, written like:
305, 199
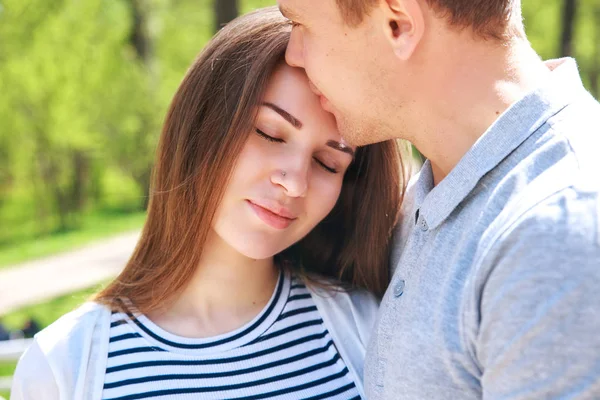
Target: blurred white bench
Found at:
11, 350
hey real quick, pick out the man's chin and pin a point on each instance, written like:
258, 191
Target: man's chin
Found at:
353, 134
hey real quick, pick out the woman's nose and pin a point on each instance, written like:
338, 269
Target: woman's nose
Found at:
293, 178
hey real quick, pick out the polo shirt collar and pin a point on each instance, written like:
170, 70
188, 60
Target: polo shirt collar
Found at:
511, 129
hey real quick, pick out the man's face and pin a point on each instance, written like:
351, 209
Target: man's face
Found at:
347, 66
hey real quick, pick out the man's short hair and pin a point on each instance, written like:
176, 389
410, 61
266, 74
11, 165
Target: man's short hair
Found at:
496, 19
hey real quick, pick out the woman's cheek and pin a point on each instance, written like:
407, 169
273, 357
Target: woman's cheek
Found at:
326, 194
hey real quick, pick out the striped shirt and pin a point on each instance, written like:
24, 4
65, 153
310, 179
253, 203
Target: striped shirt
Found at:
286, 352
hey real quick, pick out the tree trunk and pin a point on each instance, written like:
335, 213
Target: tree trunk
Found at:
49, 171
595, 70
225, 11
142, 42
81, 177
144, 180
140, 36
568, 25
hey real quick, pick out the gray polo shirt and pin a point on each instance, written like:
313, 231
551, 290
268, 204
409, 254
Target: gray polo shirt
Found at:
496, 284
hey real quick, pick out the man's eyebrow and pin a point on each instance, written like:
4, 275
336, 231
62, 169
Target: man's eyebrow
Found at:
341, 147
284, 114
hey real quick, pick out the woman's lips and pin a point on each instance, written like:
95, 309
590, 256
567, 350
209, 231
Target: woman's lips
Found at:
269, 217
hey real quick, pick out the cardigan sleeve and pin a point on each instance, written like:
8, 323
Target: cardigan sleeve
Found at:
33, 379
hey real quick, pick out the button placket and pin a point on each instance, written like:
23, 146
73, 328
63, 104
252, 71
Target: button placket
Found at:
392, 301
423, 225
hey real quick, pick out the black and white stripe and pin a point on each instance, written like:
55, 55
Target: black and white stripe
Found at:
286, 352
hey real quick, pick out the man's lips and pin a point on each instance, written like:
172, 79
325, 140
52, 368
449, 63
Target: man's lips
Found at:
324, 103
314, 89
322, 99
272, 214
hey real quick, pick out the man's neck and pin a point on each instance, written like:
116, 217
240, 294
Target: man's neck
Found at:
474, 89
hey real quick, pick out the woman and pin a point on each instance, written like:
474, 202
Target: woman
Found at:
260, 220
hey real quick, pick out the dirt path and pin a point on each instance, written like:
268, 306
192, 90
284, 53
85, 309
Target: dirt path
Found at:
43, 279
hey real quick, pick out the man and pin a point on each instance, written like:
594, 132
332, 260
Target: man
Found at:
495, 291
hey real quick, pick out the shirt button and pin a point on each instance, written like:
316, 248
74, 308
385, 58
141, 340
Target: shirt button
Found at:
424, 226
399, 288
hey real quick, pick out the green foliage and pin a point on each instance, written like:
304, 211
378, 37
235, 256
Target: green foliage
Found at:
84, 89
6, 369
544, 24
85, 86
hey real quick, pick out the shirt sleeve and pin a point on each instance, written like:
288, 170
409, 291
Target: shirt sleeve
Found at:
33, 378
539, 324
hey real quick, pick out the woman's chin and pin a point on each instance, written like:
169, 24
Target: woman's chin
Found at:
258, 252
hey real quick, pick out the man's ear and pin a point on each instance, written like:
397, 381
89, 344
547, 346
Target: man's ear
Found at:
404, 25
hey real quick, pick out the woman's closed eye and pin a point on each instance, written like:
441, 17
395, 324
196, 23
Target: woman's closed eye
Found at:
268, 137
277, 140
325, 167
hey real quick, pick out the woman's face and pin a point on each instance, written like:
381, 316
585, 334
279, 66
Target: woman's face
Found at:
289, 174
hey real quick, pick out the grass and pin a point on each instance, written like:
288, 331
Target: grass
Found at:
93, 226
48, 312
7, 368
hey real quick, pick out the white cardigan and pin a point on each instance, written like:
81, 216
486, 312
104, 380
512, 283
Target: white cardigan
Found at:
67, 360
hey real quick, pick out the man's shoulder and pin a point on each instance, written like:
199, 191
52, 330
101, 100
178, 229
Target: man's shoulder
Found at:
547, 195
553, 228
578, 126
572, 212
555, 169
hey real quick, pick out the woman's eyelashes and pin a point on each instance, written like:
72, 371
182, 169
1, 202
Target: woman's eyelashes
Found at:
277, 140
325, 167
267, 137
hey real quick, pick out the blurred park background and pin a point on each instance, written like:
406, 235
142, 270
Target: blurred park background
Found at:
84, 86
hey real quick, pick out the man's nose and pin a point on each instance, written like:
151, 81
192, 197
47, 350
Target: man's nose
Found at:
294, 54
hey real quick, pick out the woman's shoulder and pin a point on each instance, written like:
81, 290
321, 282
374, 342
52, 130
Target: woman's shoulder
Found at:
75, 325
332, 291
349, 316
343, 308
357, 303
52, 362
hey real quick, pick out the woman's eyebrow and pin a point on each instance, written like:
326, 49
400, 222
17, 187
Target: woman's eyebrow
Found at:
284, 114
341, 147
295, 122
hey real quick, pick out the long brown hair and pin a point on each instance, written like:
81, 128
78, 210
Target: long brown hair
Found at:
207, 125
